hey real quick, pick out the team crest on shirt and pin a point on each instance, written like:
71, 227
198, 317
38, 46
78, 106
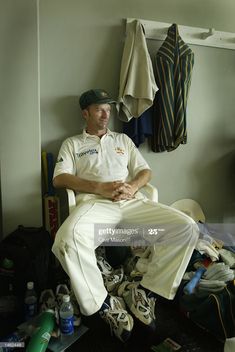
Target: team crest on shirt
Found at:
60, 160
119, 150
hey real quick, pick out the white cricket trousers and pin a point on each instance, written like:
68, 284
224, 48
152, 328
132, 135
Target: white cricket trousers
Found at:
75, 244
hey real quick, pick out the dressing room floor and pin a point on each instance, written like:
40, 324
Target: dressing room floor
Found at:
171, 323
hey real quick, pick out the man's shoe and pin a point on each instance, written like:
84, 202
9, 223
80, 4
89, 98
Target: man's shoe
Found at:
112, 277
113, 281
104, 266
61, 290
141, 306
47, 300
120, 322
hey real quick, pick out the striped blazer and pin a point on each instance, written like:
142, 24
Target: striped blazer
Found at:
174, 64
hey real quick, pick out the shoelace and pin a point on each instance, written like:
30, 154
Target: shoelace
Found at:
114, 316
104, 266
144, 304
152, 301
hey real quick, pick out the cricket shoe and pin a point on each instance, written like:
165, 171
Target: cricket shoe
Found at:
103, 265
139, 304
47, 300
113, 281
121, 323
61, 290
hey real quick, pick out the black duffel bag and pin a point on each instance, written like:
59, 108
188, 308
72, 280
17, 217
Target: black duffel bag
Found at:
214, 312
28, 249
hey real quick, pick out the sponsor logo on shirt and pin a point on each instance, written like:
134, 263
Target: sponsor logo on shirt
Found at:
87, 152
119, 150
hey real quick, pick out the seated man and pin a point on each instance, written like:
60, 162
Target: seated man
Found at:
107, 171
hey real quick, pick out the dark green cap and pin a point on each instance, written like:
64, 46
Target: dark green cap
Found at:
95, 96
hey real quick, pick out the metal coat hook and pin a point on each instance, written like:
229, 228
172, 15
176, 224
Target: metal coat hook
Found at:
210, 33
209, 37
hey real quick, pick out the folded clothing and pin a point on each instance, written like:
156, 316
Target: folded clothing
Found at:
228, 257
220, 272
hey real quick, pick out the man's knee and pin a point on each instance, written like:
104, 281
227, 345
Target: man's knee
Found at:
189, 225
192, 228
61, 240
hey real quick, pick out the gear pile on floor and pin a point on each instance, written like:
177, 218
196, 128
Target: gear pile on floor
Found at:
212, 296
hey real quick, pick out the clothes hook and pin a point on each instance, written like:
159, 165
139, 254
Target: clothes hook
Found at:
209, 33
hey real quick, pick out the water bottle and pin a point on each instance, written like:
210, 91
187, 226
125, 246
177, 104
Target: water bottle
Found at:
30, 301
66, 317
41, 337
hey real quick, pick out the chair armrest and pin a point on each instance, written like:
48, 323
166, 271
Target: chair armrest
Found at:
71, 199
150, 191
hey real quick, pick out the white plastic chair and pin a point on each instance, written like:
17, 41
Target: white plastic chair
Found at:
148, 190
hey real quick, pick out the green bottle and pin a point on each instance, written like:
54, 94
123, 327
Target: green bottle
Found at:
41, 337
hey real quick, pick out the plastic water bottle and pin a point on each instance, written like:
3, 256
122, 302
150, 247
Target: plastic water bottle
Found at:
41, 337
66, 317
30, 301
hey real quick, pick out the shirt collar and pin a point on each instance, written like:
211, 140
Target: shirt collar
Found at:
86, 135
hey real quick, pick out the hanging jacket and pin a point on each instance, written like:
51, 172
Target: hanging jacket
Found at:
174, 64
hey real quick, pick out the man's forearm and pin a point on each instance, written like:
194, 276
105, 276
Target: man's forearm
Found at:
141, 179
115, 190
75, 183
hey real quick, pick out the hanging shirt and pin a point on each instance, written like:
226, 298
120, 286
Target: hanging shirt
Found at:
174, 64
140, 129
137, 85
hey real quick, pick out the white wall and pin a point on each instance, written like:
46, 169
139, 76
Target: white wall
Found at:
81, 47
20, 123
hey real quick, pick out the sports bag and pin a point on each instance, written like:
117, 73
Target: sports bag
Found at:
214, 312
29, 251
